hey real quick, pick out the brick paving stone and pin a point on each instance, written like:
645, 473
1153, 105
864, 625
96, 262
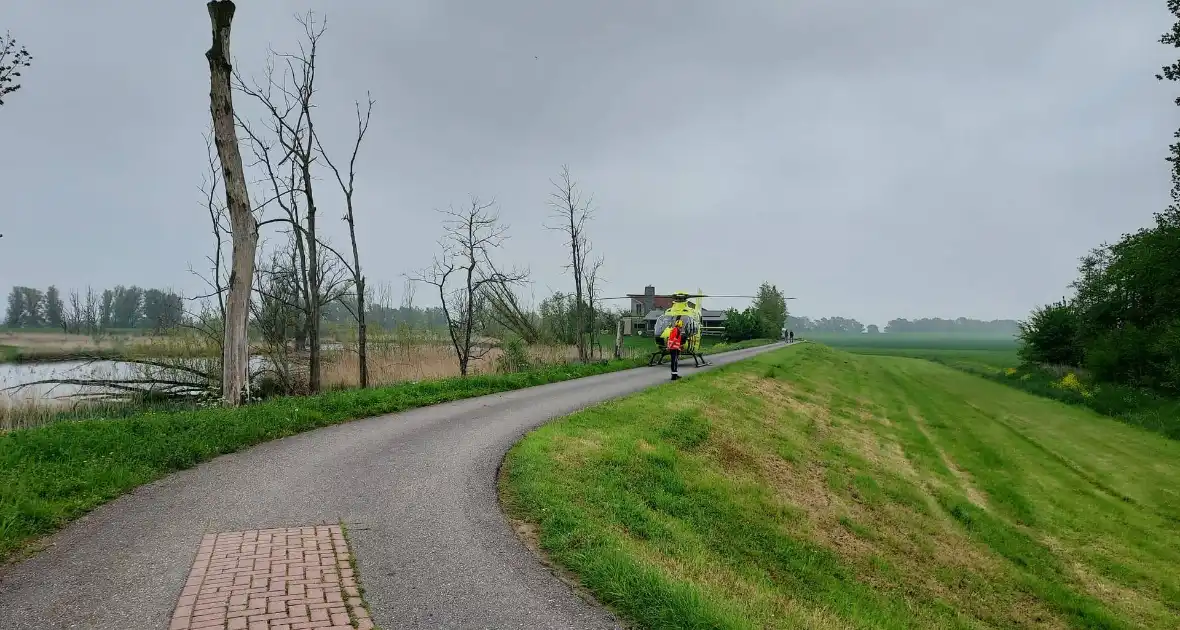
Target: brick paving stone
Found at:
271, 579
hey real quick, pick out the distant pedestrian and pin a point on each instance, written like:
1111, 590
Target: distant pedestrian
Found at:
791, 337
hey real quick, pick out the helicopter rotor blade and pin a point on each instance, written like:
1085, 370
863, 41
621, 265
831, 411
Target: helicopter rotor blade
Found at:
674, 295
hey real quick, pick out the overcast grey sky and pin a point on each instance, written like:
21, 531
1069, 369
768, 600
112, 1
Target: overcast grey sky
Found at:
875, 159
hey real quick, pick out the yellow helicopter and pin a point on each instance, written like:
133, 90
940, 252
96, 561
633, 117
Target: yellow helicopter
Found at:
687, 308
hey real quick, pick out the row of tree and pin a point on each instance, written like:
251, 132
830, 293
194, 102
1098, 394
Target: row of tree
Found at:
803, 325
1123, 321
90, 311
963, 325
287, 294
290, 291
129, 308
763, 319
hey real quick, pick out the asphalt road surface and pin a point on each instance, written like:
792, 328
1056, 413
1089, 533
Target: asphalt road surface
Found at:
416, 489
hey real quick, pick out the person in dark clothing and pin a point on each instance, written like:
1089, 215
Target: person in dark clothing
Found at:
791, 337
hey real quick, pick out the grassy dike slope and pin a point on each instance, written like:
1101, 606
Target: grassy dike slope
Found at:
813, 488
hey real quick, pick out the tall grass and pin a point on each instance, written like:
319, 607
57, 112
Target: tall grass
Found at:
23, 346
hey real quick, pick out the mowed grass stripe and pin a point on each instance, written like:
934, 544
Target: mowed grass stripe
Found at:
814, 488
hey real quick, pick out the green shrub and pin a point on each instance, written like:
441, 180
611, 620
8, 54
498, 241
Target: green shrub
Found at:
514, 357
1050, 336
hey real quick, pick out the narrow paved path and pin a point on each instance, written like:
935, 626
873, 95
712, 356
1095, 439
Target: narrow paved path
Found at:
416, 489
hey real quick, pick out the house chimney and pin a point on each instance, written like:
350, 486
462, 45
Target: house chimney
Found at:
649, 299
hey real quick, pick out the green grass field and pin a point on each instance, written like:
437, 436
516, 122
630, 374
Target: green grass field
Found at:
815, 488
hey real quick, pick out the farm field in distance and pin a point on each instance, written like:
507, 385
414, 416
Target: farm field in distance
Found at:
813, 487
956, 349
995, 357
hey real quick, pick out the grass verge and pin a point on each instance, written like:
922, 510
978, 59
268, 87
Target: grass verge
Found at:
813, 488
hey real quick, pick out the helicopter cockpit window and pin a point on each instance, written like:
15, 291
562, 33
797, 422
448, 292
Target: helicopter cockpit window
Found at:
664, 321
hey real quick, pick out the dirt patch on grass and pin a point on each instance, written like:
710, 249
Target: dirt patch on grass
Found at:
963, 479
760, 605
924, 549
1102, 588
870, 414
732, 456
937, 561
780, 395
575, 450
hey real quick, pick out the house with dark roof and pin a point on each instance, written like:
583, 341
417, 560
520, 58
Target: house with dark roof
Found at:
646, 307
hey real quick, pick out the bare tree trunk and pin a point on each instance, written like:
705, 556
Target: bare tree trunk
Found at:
362, 334
91, 312
297, 139
358, 278
619, 339
592, 281
573, 211
236, 349
313, 303
306, 88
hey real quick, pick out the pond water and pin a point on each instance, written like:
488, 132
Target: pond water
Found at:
20, 375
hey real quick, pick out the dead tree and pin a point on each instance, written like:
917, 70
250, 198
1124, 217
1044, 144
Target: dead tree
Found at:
354, 268
592, 280
504, 309
90, 312
208, 321
235, 362
288, 103
75, 314
469, 237
571, 212
215, 280
277, 314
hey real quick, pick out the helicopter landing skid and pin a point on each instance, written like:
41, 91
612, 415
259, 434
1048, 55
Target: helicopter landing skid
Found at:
657, 358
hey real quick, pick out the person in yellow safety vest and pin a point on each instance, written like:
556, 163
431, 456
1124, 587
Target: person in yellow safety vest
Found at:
675, 334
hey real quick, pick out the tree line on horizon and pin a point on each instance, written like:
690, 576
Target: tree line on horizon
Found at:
160, 310
92, 312
961, 325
